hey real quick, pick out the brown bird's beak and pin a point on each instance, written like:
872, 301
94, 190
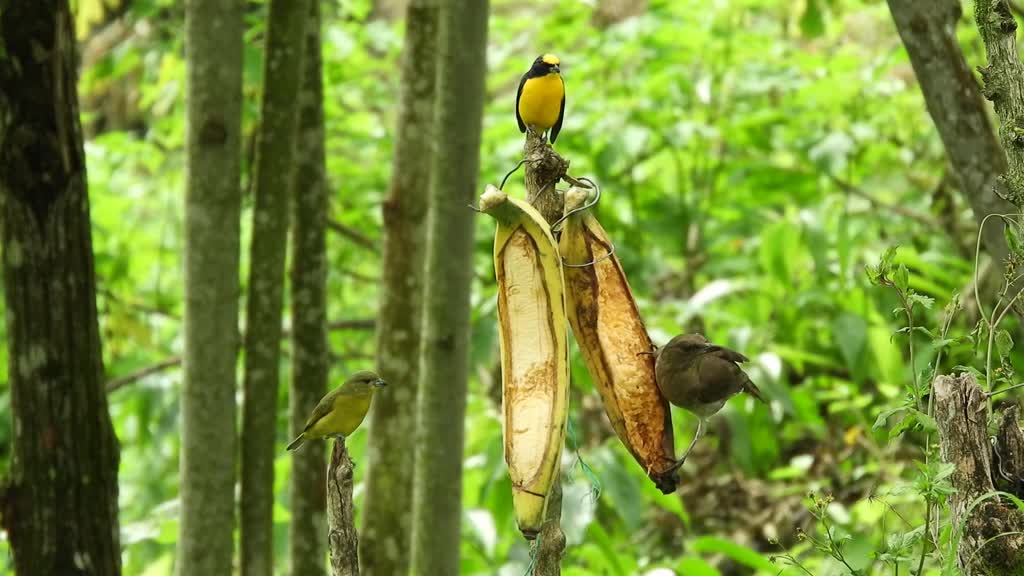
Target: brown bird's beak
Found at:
379, 383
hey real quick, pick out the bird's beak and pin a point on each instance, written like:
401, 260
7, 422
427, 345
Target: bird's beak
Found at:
556, 69
379, 383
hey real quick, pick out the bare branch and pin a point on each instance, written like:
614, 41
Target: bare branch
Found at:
357, 237
133, 377
175, 361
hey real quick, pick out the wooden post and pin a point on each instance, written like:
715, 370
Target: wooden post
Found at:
343, 539
544, 168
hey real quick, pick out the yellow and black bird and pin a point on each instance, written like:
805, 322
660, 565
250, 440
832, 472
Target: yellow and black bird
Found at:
540, 101
342, 410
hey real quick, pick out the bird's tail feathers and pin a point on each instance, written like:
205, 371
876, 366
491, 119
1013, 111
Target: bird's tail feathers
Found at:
296, 443
750, 388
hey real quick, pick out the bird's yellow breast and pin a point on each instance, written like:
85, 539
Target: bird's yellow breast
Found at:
347, 415
541, 101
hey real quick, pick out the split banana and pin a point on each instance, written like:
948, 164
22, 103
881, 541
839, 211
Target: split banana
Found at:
534, 352
609, 331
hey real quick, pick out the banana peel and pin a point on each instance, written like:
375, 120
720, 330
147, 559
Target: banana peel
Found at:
533, 336
611, 335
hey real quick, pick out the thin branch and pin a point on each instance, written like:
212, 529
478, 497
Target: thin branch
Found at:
855, 190
175, 361
143, 307
357, 237
133, 377
1016, 8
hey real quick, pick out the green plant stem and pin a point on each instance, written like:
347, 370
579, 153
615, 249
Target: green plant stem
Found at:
992, 325
927, 527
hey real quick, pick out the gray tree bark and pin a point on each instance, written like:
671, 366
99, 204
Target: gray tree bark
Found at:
213, 50
444, 360
282, 75
1004, 86
310, 358
387, 508
59, 503
954, 101
992, 541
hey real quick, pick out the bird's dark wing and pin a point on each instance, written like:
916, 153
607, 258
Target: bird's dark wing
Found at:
727, 354
561, 112
519, 93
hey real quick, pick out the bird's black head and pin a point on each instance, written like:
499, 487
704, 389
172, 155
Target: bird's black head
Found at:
545, 64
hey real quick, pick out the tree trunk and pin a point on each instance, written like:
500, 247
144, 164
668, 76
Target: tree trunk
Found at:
213, 50
387, 508
310, 360
282, 75
928, 31
1004, 86
444, 360
59, 504
990, 527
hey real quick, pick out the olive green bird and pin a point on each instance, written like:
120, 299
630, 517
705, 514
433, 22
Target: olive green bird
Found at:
342, 410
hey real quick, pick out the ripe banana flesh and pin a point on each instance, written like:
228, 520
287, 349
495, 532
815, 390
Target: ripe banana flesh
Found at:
609, 331
534, 352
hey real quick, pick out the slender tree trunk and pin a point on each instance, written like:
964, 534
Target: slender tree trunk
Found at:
387, 508
441, 405
928, 31
282, 75
213, 50
59, 504
310, 360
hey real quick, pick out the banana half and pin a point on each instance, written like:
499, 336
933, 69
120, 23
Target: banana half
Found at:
616, 347
534, 352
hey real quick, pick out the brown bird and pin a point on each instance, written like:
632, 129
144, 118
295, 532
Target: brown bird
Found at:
700, 377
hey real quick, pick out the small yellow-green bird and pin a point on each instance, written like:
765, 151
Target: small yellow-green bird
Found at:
540, 102
342, 410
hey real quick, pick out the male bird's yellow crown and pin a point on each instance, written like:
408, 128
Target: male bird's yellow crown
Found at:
550, 59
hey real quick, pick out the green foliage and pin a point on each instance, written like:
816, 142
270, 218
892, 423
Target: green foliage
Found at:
755, 156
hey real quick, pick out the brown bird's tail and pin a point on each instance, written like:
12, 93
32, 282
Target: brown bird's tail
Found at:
296, 443
750, 388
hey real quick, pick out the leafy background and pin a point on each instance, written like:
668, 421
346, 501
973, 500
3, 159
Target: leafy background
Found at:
755, 156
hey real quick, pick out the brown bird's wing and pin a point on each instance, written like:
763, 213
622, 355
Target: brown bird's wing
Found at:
746, 383
522, 82
727, 354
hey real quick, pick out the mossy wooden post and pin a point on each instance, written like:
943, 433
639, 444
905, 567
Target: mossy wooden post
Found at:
544, 168
991, 540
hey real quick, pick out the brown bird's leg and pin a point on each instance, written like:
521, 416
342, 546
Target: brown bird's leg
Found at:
697, 436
